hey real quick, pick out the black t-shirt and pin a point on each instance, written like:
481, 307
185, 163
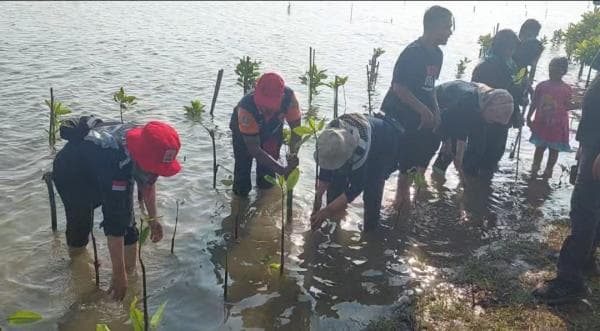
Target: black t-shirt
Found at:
459, 106
588, 132
417, 68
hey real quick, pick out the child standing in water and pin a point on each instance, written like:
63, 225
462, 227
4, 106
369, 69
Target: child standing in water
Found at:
550, 127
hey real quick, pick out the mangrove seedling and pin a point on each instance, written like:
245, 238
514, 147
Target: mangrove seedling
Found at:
557, 37
102, 327
140, 321
194, 113
57, 110
414, 176
23, 317
307, 132
313, 78
285, 185
125, 101
176, 221
461, 67
335, 85
247, 71
485, 42
372, 73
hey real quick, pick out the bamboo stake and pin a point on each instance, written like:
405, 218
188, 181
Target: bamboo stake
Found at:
96, 263
47, 177
144, 289
52, 129
282, 233
216, 93
175, 229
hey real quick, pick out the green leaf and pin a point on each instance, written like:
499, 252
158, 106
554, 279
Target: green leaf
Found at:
311, 123
281, 181
270, 179
302, 131
275, 266
227, 182
321, 125
158, 315
136, 316
144, 235
292, 179
22, 317
102, 327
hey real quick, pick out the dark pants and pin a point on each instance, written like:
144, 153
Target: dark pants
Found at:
382, 161
80, 195
485, 148
578, 249
372, 197
242, 183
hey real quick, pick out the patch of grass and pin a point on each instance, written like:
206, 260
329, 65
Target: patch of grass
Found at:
492, 291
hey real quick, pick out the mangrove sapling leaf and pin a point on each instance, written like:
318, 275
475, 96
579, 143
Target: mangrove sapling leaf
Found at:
281, 181
303, 131
271, 180
144, 235
158, 315
124, 100
275, 266
228, 181
292, 179
194, 112
102, 327
321, 125
23, 317
136, 316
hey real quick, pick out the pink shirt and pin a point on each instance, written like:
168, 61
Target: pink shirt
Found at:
551, 100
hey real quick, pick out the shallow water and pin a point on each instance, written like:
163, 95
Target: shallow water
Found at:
169, 53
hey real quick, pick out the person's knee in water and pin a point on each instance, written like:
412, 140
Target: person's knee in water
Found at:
356, 155
257, 128
98, 168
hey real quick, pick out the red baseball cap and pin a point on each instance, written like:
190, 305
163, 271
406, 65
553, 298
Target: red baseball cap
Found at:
154, 147
269, 91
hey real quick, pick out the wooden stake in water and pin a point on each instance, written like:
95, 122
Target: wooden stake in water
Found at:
47, 177
282, 234
369, 89
144, 289
96, 263
215, 165
225, 285
351, 8
335, 100
216, 93
175, 229
52, 129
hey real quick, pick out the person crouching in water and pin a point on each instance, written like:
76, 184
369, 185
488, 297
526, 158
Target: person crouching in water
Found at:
356, 154
465, 107
257, 129
98, 167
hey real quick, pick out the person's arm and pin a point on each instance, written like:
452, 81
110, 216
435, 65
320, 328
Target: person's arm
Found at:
406, 96
338, 205
149, 197
262, 157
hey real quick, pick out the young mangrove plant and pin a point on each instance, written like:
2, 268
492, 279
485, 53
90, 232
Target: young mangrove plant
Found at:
461, 66
313, 78
247, 71
285, 185
335, 85
557, 37
372, 73
306, 132
125, 101
23, 317
485, 42
194, 113
57, 110
176, 221
139, 319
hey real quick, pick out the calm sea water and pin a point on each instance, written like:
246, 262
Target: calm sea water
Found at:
167, 54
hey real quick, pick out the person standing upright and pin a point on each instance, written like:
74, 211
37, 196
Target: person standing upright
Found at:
411, 99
